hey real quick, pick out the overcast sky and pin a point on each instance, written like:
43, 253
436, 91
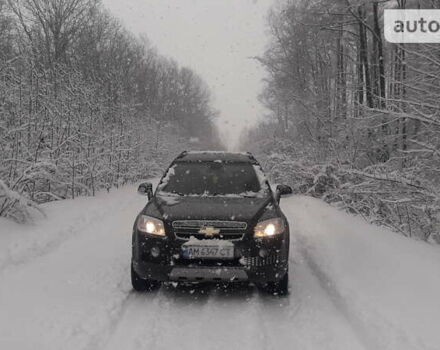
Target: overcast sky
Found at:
216, 39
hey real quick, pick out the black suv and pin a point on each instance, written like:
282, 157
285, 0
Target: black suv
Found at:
212, 218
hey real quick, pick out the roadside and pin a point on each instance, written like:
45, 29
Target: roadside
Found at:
353, 286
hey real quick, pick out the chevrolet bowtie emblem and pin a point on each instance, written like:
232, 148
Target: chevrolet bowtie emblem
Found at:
209, 231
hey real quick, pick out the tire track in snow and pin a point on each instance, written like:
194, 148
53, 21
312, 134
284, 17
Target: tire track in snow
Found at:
99, 341
237, 308
366, 338
205, 316
278, 315
192, 317
150, 339
263, 325
269, 307
179, 322
134, 315
142, 320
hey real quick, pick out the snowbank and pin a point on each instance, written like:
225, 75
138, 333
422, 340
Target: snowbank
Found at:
65, 279
20, 243
386, 284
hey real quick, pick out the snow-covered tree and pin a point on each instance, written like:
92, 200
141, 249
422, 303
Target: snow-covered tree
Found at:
85, 105
339, 95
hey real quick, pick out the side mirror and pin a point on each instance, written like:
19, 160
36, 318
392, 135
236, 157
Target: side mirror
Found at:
283, 190
146, 189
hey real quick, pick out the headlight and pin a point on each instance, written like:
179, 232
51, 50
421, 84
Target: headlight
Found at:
269, 228
150, 225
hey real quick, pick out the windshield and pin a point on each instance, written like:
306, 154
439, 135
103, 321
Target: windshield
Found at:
212, 179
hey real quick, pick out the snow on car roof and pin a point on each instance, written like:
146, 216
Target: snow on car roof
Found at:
210, 156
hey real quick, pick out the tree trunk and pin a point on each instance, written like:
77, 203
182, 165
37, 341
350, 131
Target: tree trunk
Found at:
380, 56
363, 41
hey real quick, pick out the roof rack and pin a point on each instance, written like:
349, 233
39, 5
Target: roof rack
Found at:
181, 155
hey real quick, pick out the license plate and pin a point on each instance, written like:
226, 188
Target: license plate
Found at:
207, 251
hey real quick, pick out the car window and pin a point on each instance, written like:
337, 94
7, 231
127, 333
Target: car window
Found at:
213, 179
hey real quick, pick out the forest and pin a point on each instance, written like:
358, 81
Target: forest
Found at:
351, 118
85, 105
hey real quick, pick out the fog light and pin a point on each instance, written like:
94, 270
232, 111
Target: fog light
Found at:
263, 253
155, 252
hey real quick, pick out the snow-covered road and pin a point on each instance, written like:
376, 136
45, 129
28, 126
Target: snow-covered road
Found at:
64, 284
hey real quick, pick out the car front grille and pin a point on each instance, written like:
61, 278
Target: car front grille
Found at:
209, 229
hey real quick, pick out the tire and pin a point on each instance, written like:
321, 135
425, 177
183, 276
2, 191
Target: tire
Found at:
280, 287
142, 285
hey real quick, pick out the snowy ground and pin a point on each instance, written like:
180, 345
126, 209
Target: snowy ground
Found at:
64, 284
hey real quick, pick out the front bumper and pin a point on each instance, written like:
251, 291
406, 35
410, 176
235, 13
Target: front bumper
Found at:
257, 261
202, 273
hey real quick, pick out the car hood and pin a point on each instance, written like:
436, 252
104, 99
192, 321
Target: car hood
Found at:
172, 208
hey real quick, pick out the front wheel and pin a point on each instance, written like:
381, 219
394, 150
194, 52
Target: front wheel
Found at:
142, 285
280, 287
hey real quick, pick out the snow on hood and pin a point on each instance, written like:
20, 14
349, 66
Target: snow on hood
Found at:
206, 208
